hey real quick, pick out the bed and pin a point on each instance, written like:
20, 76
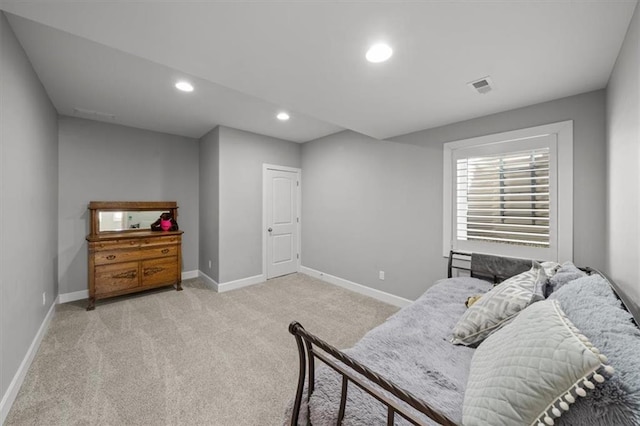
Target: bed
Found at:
408, 371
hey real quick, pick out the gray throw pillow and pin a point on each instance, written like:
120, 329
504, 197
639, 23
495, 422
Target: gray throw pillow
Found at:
565, 274
532, 370
499, 306
593, 307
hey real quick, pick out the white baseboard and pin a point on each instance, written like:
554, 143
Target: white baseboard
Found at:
187, 275
12, 391
358, 288
244, 282
208, 281
73, 296
230, 285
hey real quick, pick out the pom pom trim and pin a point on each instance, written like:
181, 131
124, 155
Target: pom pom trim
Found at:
561, 404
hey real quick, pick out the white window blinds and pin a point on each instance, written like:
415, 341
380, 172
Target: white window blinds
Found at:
511, 193
504, 198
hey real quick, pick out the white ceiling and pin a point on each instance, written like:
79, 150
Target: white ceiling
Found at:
248, 60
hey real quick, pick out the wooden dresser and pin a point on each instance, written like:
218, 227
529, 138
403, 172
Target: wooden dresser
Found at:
126, 261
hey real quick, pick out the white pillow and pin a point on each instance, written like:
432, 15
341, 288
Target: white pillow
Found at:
532, 370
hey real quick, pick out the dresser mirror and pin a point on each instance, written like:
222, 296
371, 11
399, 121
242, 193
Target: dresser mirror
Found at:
128, 216
127, 220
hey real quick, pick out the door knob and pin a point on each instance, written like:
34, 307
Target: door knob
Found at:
269, 229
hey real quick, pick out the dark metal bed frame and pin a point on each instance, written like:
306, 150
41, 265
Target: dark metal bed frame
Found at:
307, 353
311, 348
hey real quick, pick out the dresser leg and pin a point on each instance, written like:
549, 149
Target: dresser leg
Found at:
179, 286
92, 304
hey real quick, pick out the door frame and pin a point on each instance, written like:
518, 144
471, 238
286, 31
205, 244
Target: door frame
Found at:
298, 171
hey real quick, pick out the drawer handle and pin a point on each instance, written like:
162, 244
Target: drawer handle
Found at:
165, 251
111, 257
152, 271
128, 274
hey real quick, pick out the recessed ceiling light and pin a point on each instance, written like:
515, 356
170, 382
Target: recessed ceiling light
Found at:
379, 53
283, 116
185, 86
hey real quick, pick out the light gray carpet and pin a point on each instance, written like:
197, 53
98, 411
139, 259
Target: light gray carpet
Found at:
193, 357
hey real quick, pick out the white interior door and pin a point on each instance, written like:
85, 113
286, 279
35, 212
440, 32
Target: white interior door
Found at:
281, 203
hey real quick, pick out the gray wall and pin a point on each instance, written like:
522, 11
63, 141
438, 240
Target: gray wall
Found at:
209, 202
29, 204
366, 205
372, 205
589, 160
241, 156
623, 151
108, 162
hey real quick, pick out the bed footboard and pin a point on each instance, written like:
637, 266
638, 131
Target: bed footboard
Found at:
398, 401
311, 347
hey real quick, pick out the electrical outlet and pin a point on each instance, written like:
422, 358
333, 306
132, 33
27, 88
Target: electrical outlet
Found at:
381, 275
209, 264
44, 298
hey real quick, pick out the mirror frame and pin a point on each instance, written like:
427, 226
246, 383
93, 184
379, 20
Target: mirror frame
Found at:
95, 207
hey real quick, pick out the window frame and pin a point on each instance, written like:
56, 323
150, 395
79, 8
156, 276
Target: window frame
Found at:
561, 248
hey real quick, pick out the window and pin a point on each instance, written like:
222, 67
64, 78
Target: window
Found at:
504, 198
511, 193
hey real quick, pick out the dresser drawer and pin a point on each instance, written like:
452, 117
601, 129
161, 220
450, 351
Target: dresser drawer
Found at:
161, 251
160, 271
158, 241
116, 244
110, 278
116, 256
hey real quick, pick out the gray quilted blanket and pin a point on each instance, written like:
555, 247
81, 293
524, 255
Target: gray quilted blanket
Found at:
411, 349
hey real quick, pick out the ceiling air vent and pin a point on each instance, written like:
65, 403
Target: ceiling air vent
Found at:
482, 86
96, 115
